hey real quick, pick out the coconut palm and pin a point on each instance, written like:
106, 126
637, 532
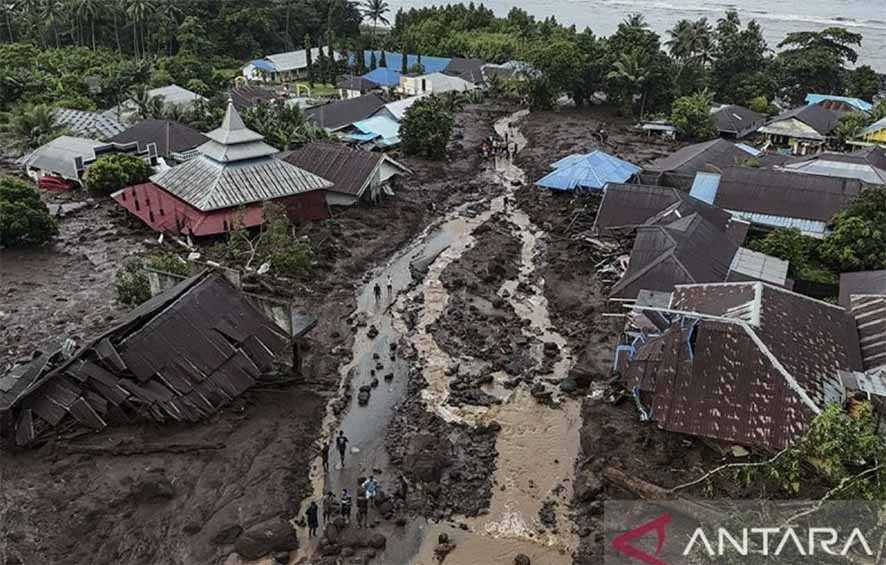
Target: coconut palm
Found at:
30, 126
632, 70
375, 10
52, 14
691, 41
139, 11
8, 10
86, 11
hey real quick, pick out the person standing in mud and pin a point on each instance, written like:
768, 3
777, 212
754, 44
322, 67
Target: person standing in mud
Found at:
370, 487
390, 284
313, 519
341, 442
330, 506
377, 291
345, 505
324, 456
362, 509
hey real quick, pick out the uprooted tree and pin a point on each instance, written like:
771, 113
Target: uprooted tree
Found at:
426, 128
24, 218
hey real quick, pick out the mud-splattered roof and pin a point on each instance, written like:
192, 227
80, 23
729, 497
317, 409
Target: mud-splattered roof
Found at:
178, 357
746, 363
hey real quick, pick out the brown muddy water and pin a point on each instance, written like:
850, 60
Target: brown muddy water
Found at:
537, 444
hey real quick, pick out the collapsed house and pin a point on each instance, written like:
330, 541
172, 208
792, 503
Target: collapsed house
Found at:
180, 356
744, 363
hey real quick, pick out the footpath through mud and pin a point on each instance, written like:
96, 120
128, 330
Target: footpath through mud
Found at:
520, 431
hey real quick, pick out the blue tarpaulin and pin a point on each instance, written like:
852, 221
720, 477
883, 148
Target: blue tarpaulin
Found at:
592, 171
264, 65
383, 76
381, 128
856, 103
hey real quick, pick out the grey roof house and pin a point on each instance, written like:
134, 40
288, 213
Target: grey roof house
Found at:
67, 157
804, 130
174, 141
714, 155
341, 114
81, 123
867, 165
736, 122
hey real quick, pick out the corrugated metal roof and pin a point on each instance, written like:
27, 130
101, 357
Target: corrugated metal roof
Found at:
869, 312
760, 266
593, 171
737, 120
88, 124
704, 187
861, 282
398, 108
811, 228
175, 95
208, 185
875, 127
297, 60
60, 155
169, 136
349, 170
753, 380
441, 83
815, 116
718, 154
343, 113
394, 61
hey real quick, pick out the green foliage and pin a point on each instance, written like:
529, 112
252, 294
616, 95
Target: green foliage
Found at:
801, 251
814, 61
131, 284
276, 245
759, 104
426, 128
168, 263
691, 115
284, 126
741, 68
110, 173
836, 449
24, 218
858, 239
28, 126
561, 62
864, 83
849, 126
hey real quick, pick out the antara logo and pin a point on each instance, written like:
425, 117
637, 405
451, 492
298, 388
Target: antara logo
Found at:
622, 544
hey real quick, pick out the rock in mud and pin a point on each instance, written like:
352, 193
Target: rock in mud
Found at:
522, 559
363, 398
442, 550
267, 537
568, 386
227, 535
155, 488
378, 541
547, 514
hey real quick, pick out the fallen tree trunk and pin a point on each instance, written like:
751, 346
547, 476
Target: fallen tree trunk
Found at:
143, 449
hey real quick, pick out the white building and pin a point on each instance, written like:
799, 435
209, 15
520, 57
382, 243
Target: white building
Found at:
286, 66
433, 83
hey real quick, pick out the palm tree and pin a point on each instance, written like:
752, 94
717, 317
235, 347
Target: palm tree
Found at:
679, 42
30, 126
375, 10
139, 11
52, 17
172, 15
632, 70
8, 9
86, 10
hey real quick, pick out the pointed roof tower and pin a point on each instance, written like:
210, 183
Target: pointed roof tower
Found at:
233, 141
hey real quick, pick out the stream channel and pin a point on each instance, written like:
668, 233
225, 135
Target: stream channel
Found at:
537, 444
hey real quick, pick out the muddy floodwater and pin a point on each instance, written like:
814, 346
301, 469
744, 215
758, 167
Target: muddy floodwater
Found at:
537, 443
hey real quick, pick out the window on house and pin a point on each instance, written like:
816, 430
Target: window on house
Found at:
151, 215
161, 212
137, 206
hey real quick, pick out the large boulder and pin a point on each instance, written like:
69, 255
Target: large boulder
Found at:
266, 537
378, 541
521, 559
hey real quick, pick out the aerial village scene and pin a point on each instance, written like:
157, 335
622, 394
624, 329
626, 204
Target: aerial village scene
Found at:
339, 282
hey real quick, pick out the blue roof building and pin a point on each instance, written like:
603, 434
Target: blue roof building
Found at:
393, 61
382, 129
383, 76
591, 171
856, 103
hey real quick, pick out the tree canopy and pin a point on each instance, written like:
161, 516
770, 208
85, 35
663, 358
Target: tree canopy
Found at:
426, 128
24, 218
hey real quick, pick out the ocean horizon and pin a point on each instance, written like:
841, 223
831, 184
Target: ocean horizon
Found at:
776, 19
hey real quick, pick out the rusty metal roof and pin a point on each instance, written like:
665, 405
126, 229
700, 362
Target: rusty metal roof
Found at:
178, 357
349, 170
747, 363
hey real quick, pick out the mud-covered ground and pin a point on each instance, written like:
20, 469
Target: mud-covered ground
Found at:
610, 434
190, 494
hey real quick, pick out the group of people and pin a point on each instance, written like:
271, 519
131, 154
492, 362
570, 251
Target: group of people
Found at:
342, 506
376, 289
493, 146
341, 444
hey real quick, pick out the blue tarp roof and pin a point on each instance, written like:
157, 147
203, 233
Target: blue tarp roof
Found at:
264, 65
383, 76
705, 187
857, 103
382, 127
592, 171
392, 60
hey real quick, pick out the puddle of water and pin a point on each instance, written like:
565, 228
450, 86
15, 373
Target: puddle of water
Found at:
537, 444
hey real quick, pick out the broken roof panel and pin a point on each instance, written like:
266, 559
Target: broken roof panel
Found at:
861, 283
169, 344
746, 363
349, 170
856, 103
